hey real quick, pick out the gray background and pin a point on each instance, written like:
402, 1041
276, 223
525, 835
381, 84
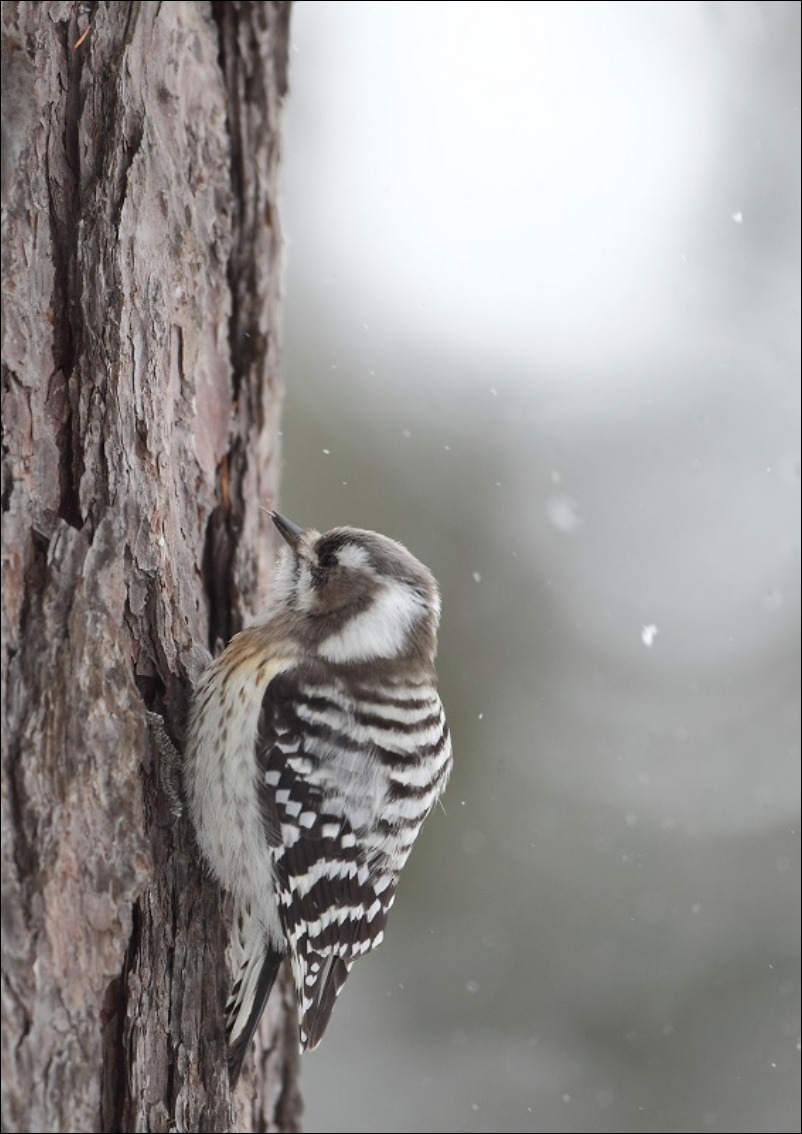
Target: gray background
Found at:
542, 325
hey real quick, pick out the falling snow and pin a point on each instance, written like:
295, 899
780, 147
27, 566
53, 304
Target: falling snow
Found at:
564, 512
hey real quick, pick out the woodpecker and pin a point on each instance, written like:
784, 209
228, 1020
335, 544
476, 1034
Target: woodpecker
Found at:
316, 746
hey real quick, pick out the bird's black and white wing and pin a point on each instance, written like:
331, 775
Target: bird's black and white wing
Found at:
342, 813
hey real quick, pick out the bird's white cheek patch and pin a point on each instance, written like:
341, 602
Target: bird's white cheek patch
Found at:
305, 596
381, 631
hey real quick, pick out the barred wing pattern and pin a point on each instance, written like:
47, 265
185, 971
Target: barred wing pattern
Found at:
348, 773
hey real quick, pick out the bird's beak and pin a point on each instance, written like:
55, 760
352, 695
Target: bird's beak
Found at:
289, 531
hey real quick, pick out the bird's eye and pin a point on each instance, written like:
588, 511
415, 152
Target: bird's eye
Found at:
328, 559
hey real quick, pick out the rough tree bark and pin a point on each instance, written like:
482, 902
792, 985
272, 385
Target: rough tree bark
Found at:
140, 287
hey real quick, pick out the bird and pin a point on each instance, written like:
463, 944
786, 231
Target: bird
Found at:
316, 746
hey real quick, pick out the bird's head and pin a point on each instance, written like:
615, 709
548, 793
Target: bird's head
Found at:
355, 596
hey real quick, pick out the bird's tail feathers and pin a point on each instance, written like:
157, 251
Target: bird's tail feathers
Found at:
256, 969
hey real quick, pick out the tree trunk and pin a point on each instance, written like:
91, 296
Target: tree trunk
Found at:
140, 290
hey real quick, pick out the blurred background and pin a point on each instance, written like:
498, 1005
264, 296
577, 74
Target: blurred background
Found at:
542, 325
